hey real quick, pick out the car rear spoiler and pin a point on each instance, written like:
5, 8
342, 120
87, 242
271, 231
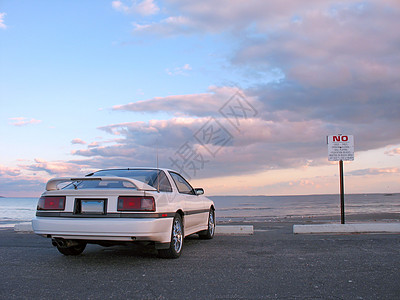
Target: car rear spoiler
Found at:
52, 184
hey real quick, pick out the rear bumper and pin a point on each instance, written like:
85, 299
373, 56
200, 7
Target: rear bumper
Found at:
112, 229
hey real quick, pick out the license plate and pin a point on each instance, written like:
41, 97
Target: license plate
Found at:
92, 206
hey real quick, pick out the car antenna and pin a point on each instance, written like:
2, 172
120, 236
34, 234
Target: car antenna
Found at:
158, 172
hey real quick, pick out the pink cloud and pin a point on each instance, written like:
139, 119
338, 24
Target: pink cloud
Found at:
144, 7
258, 145
205, 104
395, 151
374, 171
179, 70
109, 151
95, 144
218, 16
21, 121
78, 141
2, 24
277, 138
303, 182
56, 168
21, 186
169, 26
9, 172
330, 47
15, 182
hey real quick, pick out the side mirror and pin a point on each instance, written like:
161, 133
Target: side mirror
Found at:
199, 191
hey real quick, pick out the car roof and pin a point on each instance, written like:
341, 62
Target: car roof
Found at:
137, 168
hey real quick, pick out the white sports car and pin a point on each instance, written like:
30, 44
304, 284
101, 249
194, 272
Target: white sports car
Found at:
119, 206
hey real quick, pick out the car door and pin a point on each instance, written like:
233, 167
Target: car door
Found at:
193, 204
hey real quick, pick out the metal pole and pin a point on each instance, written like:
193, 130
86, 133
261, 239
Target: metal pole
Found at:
341, 191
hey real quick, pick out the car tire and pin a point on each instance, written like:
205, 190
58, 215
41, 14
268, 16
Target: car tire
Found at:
176, 244
74, 250
209, 233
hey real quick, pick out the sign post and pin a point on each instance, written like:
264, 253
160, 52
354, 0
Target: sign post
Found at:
341, 148
341, 192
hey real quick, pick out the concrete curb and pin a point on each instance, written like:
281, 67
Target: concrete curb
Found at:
234, 230
23, 227
219, 229
348, 228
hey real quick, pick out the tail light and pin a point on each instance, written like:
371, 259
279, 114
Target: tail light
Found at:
136, 203
51, 203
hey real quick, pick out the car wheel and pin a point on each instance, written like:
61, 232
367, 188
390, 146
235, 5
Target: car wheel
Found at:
209, 233
74, 250
176, 244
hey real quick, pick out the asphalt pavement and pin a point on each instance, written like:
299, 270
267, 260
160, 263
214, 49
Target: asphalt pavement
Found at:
273, 263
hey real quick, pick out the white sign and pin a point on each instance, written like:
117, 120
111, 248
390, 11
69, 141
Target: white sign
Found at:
340, 147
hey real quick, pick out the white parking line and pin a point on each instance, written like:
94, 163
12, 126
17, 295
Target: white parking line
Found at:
348, 228
234, 229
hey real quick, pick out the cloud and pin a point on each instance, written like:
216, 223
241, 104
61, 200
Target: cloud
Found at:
78, 142
374, 171
331, 47
21, 186
303, 182
200, 105
168, 133
179, 70
29, 179
9, 172
395, 151
13, 182
144, 7
257, 145
2, 24
55, 168
95, 143
170, 26
284, 127
236, 16
21, 121
291, 105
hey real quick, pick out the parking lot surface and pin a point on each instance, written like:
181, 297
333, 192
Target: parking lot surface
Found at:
271, 264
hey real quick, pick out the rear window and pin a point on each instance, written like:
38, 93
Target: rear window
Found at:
100, 184
152, 177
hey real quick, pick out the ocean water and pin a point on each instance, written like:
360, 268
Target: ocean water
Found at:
267, 207
17, 210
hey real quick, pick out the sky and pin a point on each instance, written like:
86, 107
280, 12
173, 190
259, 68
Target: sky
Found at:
238, 96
